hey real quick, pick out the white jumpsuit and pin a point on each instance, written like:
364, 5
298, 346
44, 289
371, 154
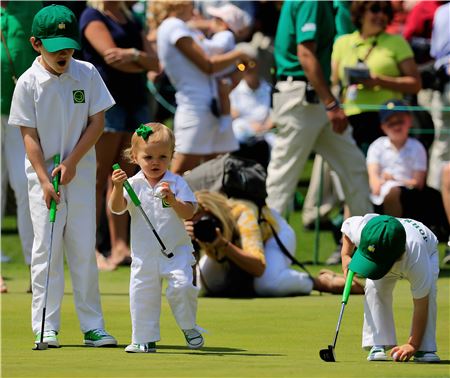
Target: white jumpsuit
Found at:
149, 266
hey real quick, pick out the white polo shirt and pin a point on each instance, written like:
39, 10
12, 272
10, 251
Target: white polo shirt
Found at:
399, 163
168, 224
415, 265
59, 106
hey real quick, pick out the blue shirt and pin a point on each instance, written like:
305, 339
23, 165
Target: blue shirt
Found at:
440, 38
128, 89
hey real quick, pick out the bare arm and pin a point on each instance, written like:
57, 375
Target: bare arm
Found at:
88, 139
121, 59
417, 181
36, 157
313, 71
205, 63
409, 82
346, 253
420, 315
185, 210
220, 247
375, 178
117, 202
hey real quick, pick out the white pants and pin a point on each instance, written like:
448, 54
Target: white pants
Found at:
440, 149
305, 127
278, 279
379, 328
331, 192
74, 232
147, 272
13, 171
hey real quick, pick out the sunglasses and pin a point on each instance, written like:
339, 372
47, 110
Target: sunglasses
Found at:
377, 8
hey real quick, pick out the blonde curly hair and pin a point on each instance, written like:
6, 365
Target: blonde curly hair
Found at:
159, 10
161, 133
219, 206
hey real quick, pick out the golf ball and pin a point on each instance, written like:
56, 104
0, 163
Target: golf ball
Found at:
396, 356
158, 192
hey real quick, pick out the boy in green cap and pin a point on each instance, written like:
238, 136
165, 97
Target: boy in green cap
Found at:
59, 105
388, 249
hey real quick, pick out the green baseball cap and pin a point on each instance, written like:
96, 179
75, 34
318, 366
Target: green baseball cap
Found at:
383, 241
57, 27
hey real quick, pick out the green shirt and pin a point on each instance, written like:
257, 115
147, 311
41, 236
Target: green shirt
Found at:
384, 59
16, 20
302, 21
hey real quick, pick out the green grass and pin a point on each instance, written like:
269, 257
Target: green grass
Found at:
266, 337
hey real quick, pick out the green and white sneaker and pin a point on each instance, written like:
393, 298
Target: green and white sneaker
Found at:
377, 353
141, 348
50, 337
99, 338
430, 357
194, 339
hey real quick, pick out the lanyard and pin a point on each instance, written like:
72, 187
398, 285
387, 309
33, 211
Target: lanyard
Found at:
374, 43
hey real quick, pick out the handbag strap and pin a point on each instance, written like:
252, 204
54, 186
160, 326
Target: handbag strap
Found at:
13, 71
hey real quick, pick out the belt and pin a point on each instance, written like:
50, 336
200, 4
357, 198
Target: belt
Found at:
292, 78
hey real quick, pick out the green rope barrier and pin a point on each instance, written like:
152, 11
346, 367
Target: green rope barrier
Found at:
161, 100
411, 108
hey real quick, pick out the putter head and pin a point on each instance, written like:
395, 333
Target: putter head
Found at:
328, 354
40, 346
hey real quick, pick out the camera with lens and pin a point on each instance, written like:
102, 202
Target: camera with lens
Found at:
205, 228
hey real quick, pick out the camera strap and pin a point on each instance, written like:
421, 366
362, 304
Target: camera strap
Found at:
363, 61
283, 248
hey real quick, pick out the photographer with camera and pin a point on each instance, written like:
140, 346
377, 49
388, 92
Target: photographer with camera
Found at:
241, 255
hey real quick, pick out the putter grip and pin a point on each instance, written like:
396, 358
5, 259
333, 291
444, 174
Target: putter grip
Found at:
55, 181
129, 188
348, 286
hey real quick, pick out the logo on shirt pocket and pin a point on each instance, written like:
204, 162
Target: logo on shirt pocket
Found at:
78, 96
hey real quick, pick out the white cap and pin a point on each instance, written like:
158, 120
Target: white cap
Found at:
236, 18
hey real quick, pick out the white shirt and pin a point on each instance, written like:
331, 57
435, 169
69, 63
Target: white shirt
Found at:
252, 106
167, 223
194, 88
59, 106
414, 265
400, 163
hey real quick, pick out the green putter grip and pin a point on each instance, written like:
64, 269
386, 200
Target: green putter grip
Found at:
129, 188
348, 286
55, 181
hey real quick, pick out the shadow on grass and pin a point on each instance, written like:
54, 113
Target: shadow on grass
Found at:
216, 351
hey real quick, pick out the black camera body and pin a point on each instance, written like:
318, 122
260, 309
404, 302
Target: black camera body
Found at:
205, 228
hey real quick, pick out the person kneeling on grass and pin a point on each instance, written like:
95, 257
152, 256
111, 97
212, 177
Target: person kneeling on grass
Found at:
389, 249
241, 257
166, 200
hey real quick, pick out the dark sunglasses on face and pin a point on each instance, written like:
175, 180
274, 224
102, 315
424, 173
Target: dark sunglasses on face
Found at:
376, 8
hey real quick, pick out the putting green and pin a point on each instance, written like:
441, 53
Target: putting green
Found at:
266, 337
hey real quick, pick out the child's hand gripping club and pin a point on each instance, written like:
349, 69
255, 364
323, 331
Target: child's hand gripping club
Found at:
137, 203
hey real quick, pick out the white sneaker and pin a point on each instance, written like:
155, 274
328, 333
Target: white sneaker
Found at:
377, 353
141, 348
194, 339
50, 338
426, 357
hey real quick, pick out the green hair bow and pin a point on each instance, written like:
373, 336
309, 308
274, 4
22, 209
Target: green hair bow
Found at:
144, 131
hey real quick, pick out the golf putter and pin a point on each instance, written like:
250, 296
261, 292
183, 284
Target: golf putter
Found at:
328, 354
52, 217
137, 203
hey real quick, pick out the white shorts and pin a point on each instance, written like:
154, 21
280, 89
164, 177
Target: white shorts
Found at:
197, 132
